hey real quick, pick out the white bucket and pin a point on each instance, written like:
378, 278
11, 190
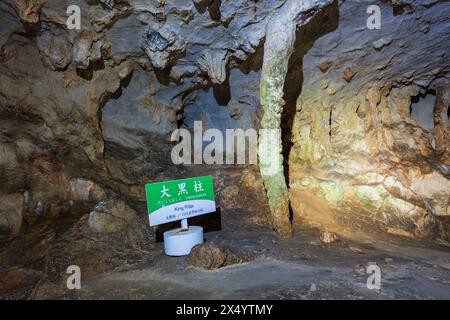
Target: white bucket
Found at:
179, 242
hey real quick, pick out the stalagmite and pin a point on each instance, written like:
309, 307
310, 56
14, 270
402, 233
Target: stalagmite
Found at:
278, 47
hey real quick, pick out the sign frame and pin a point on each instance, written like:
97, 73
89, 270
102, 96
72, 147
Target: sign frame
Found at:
180, 199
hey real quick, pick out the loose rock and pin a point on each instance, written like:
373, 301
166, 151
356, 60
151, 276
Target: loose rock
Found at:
214, 255
328, 237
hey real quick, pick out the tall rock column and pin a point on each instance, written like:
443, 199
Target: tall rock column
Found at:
278, 47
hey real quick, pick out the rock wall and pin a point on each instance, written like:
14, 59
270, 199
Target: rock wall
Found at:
361, 158
99, 104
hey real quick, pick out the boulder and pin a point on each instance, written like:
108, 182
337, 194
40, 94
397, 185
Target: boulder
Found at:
216, 254
329, 237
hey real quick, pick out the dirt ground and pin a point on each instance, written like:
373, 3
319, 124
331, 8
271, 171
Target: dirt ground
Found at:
298, 268
259, 264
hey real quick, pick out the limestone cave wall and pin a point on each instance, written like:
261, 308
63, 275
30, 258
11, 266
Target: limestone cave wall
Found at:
363, 156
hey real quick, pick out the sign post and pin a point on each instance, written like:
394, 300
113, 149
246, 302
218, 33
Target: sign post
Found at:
178, 200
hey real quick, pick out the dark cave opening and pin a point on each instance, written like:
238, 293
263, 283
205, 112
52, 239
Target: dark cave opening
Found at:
401, 8
214, 10
222, 92
88, 73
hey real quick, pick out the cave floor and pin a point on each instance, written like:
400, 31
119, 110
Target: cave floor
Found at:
298, 268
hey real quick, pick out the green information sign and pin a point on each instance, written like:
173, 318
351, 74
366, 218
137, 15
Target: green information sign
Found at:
179, 199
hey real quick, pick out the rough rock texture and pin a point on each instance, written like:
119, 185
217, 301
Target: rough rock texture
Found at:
162, 45
29, 10
99, 104
96, 252
110, 216
83, 190
217, 254
329, 237
214, 63
11, 215
87, 49
360, 159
